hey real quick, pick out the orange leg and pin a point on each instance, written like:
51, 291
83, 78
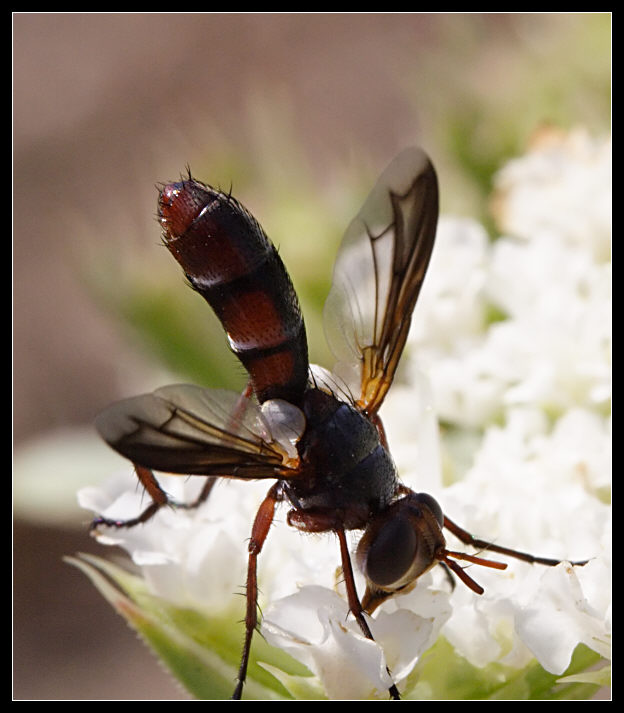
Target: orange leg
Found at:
158, 495
259, 532
354, 602
468, 539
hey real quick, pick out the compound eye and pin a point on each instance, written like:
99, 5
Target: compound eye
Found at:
391, 552
432, 504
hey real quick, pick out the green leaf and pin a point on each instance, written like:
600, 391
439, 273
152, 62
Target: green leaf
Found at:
599, 677
202, 651
302, 688
442, 674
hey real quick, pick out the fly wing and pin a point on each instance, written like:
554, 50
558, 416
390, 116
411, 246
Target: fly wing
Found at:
195, 431
379, 271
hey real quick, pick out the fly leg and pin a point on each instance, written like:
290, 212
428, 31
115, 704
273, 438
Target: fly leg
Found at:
203, 495
354, 602
468, 539
158, 495
259, 532
159, 499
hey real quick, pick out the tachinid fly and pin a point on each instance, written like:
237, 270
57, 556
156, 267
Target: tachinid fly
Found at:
319, 438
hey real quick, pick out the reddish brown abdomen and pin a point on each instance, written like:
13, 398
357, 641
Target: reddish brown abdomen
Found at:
230, 261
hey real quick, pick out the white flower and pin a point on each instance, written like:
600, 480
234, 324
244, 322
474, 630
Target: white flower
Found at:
561, 187
550, 289
189, 557
540, 481
530, 488
314, 626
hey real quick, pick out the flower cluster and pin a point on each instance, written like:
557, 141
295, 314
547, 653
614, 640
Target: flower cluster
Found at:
514, 336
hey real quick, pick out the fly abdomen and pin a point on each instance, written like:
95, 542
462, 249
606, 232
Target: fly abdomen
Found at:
230, 261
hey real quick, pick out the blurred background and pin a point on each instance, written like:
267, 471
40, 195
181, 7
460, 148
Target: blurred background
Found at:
299, 114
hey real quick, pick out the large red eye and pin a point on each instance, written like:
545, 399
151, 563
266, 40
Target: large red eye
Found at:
402, 542
391, 553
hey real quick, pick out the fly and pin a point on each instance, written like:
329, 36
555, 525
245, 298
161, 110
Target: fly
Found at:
318, 437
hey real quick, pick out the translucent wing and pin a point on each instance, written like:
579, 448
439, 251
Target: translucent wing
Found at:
191, 430
379, 271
